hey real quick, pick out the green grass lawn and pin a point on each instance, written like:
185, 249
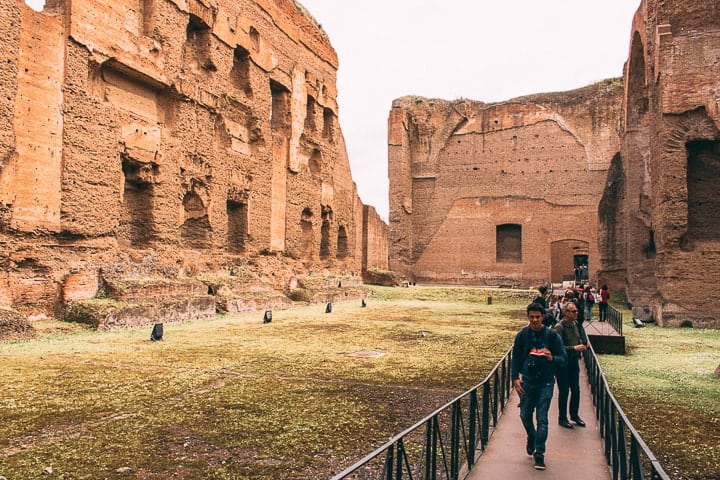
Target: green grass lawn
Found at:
301, 397
310, 393
666, 386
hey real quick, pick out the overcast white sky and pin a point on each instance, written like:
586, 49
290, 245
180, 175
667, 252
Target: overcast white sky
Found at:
487, 50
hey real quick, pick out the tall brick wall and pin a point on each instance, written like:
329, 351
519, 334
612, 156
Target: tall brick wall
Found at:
459, 171
199, 135
9, 35
375, 240
668, 200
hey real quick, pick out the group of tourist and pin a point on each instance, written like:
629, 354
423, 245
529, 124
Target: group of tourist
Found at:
547, 351
583, 296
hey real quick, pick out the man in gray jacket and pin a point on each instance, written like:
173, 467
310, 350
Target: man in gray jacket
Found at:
568, 376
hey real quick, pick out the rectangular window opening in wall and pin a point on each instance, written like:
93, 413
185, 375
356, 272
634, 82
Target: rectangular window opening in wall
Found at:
240, 74
328, 124
198, 37
508, 238
137, 224
703, 176
310, 115
280, 106
237, 215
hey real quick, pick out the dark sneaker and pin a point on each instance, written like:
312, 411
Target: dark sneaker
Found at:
539, 462
530, 446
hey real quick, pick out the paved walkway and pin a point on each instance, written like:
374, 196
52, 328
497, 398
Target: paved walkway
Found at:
571, 454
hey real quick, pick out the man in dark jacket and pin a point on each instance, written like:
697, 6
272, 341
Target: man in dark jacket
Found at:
538, 351
568, 376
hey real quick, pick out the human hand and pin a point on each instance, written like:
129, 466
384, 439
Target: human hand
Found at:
517, 384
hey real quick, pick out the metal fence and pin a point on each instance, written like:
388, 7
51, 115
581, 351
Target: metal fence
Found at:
446, 444
614, 317
627, 454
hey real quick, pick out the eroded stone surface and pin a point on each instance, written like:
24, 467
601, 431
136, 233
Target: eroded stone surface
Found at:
171, 139
661, 230
500, 194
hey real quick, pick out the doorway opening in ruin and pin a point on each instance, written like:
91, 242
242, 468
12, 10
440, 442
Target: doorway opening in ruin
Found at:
136, 218
703, 174
195, 230
325, 233
240, 73
566, 259
342, 243
306, 228
508, 243
237, 228
198, 37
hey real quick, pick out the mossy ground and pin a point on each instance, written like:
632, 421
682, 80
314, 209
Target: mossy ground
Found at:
665, 385
309, 393
231, 398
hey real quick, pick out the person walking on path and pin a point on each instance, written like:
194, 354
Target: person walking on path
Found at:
537, 352
603, 304
568, 375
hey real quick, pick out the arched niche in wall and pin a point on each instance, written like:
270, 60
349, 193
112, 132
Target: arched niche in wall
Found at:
342, 243
325, 232
637, 96
306, 228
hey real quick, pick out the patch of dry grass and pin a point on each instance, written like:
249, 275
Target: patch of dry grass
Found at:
231, 398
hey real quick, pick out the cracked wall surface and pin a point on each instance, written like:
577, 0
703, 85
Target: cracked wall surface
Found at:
662, 239
202, 133
461, 170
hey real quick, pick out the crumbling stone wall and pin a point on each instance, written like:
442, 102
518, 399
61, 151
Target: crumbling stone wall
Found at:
375, 241
199, 134
666, 236
502, 193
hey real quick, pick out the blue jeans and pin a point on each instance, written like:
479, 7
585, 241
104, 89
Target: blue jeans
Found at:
536, 398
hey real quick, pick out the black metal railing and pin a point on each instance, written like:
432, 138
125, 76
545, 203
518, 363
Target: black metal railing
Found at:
626, 452
614, 318
446, 444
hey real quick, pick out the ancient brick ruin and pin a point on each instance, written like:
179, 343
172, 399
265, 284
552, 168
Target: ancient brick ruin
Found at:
624, 172
171, 142
660, 212
503, 194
